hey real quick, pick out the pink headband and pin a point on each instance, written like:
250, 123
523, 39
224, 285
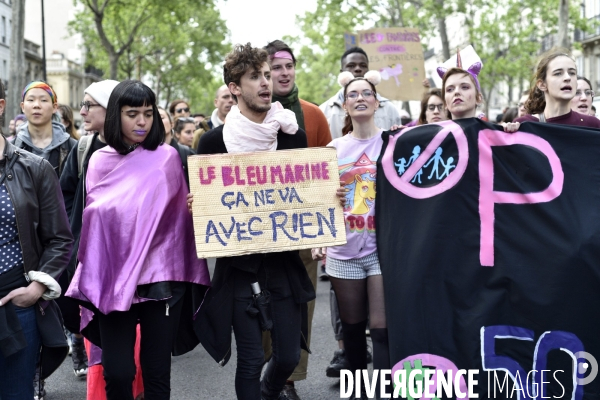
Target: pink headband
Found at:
282, 54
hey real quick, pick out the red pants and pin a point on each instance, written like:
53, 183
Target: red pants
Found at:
95, 378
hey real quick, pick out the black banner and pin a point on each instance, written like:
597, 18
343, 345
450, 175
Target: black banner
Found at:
489, 244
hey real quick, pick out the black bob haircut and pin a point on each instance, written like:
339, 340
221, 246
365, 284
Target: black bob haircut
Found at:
131, 93
353, 50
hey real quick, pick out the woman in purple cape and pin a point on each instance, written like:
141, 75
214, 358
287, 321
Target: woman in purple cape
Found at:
137, 256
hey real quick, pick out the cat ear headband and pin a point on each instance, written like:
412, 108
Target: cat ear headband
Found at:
372, 76
466, 57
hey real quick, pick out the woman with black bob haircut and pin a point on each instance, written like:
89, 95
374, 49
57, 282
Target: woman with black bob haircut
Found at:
131, 93
141, 265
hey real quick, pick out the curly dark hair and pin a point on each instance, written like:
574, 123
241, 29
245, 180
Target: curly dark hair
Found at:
353, 50
240, 60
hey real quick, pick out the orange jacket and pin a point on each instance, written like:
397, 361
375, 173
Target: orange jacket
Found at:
316, 126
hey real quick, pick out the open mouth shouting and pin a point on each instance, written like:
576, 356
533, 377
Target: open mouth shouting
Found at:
566, 88
265, 95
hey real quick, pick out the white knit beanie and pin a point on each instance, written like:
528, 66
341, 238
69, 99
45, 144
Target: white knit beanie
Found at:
100, 91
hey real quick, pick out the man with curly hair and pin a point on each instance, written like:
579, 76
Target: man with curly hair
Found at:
255, 125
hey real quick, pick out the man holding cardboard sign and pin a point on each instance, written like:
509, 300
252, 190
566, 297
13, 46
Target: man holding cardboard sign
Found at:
254, 125
313, 121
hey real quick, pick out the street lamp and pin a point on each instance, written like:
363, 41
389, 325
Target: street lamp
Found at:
43, 45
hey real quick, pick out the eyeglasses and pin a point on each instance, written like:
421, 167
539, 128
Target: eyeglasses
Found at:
588, 93
87, 105
186, 119
180, 110
432, 107
366, 94
520, 105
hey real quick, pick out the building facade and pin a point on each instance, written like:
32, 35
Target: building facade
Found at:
588, 62
65, 62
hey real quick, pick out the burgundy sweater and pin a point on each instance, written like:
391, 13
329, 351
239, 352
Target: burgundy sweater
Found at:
570, 118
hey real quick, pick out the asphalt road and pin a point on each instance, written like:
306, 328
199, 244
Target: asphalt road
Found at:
197, 376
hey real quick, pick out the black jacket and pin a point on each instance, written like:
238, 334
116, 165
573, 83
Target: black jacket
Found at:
73, 190
45, 239
184, 152
214, 321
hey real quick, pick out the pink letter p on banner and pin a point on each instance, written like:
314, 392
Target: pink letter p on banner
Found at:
488, 197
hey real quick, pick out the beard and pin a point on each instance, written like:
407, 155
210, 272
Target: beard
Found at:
253, 105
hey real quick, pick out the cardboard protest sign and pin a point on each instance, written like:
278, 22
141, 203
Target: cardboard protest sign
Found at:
265, 202
489, 245
398, 55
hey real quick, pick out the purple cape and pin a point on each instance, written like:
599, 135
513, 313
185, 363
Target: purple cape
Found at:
136, 228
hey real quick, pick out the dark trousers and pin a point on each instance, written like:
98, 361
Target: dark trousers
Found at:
17, 370
118, 331
285, 337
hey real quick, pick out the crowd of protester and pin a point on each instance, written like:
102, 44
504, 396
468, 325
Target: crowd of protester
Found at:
118, 282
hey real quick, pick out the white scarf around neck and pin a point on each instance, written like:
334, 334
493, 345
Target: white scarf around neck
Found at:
214, 118
242, 135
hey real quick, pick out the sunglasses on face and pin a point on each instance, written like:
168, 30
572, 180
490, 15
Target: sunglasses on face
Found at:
87, 105
432, 107
366, 94
588, 93
181, 110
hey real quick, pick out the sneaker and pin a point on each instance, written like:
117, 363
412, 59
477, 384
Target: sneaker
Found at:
289, 392
38, 385
80, 360
338, 363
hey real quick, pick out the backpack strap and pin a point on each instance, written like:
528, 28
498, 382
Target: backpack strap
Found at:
83, 148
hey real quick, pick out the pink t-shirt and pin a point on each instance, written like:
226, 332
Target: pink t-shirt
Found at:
357, 164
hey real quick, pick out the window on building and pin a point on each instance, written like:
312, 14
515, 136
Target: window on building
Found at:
3, 29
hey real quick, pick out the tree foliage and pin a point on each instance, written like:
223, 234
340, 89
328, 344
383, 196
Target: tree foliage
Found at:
176, 50
507, 35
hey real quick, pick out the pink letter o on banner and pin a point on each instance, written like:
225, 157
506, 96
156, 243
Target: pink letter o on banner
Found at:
402, 183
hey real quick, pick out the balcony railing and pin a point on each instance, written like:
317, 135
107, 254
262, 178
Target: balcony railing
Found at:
62, 64
581, 36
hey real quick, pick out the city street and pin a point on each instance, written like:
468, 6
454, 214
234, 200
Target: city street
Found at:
196, 375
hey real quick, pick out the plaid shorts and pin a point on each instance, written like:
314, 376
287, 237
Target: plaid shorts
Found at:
354, 268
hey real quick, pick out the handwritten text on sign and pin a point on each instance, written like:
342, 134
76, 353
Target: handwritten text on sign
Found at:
265, 201
397, 54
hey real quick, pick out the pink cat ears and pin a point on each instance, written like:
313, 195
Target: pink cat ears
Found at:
372, 76
466, 56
